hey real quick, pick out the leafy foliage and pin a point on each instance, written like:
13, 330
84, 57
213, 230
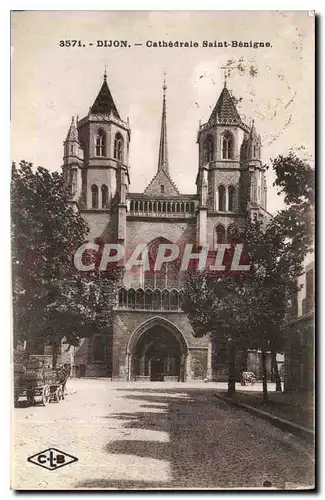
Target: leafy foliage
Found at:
52, 300
251, 310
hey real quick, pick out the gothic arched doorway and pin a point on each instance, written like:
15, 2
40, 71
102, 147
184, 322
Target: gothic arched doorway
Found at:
157, 352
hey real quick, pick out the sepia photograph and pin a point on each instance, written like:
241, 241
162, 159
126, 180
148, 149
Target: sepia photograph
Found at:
162, 199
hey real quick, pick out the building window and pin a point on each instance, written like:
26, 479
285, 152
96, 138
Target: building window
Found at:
231, 199
220, 233
162, 188
227, 146
222, 199
208, 149
99, 351
118, 147
104, 190
100, 144
94, 196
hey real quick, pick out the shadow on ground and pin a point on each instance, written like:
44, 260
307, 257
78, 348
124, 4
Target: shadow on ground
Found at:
210, 444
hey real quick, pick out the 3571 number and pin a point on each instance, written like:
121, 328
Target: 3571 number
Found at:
71, 43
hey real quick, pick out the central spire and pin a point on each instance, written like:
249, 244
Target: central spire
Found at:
163, 147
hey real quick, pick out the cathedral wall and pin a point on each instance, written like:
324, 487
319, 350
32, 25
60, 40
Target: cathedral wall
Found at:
145, 231
101, 224
225, 176
127, 322
99, 177
214, 220
238, 135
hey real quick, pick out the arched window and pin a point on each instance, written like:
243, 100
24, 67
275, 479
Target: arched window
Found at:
232, 234
139, 299
99, 351
165, 299
122, 297
94, 196
131, 298
104, 190
221, 233
222, 199
156, 299
100, 143
118, 147
227, 146
174, 300
231, 198
148, 299
208, 149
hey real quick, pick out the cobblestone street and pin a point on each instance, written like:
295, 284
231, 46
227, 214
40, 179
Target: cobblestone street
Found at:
154, 435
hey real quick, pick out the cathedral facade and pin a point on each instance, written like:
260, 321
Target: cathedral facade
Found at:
151, 338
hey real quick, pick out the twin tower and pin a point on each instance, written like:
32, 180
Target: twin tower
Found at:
230, 179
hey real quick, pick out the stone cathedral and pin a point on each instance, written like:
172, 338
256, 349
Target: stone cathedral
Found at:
151, 338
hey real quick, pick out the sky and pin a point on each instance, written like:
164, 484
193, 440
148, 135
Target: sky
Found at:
275, 85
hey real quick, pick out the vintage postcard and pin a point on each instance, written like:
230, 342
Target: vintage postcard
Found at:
162, 224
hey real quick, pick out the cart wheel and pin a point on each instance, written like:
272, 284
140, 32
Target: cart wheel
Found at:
30, 397
60, 393
46, 395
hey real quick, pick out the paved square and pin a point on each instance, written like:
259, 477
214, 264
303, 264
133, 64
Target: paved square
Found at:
154, 435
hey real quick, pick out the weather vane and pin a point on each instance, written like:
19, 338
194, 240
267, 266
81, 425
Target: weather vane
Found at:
226, 74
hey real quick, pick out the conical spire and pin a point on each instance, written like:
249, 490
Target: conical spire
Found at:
104, 103
73, 132
163, 147
252, 133
225, 109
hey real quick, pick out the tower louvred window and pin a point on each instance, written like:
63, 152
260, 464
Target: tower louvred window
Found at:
222, 199
118, 147
227, 146
208, 149
100, 144
231, 198
104, 190
220, 234
94, 196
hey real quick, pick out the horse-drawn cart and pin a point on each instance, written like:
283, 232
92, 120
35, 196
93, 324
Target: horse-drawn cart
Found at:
34, 379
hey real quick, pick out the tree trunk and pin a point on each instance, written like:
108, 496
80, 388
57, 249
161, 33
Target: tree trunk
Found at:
265, 394
232, 369
278, 386
54, 355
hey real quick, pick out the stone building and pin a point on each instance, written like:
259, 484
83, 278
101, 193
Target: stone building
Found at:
151, 338
299, 352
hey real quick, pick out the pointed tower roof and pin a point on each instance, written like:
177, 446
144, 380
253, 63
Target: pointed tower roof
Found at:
253, 135
163, 146
73, 132
162, 183
104, 103
225, 109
